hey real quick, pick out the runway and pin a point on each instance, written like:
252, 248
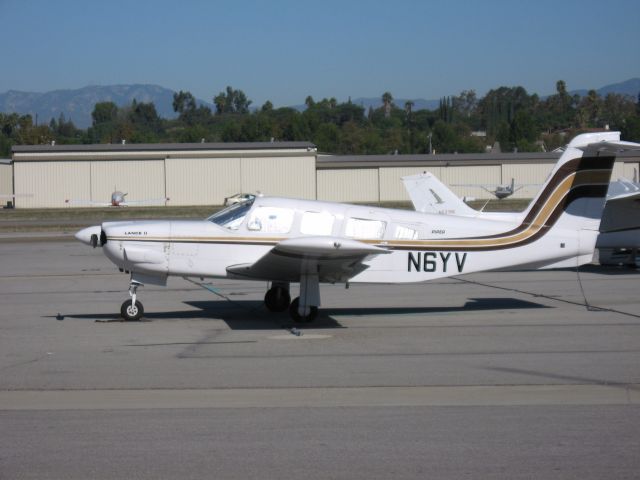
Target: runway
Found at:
499, 375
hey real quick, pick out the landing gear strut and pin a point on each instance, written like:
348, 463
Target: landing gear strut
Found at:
302, 309
309, 315
277, 298
132, 309
305, 307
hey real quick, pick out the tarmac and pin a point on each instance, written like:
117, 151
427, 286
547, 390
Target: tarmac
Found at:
494, 375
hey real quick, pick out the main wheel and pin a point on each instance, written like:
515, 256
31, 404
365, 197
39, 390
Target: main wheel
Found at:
131, 311
293, 311
277, 299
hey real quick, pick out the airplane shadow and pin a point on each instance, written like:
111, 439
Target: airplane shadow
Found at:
252, 315
473, 305
609, 269
564, 378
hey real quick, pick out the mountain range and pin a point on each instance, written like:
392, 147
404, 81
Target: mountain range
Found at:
78, 104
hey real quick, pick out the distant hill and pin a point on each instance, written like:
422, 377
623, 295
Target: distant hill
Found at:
78, 104
630, 87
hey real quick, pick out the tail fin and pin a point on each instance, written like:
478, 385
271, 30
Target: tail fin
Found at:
430, 195
574, 194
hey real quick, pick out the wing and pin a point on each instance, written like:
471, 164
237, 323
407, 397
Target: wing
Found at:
335, 259
87, 202
148, 201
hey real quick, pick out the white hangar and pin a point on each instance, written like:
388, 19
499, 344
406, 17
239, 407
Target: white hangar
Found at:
187, 174
45, 176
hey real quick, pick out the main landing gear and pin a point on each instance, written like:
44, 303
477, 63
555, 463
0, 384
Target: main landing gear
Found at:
304, 308
277, 298
132, 309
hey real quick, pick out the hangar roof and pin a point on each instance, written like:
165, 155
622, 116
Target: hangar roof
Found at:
150, 147
443, 160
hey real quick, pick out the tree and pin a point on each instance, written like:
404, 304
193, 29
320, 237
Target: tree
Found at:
104, 112
387, 102
105, 123
145, 122
309, 101
561, 112
231, 101
183, 102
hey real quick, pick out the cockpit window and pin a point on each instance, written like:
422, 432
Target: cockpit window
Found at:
232, 217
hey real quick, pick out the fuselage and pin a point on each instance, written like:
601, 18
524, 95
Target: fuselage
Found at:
423, 246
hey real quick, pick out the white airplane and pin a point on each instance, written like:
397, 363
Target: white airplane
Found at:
286, 241
499, 191
118, 200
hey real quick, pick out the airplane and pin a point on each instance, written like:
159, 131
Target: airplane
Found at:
619, 228
500, 191
285, 241
429, 195
118, 200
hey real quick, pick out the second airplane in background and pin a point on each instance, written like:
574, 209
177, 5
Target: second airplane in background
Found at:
118, 200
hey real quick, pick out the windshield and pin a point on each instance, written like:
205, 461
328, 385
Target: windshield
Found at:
231, 217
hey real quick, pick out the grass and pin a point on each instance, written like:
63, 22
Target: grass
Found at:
67, 219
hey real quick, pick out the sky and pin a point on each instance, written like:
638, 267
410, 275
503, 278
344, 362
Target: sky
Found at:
284, 50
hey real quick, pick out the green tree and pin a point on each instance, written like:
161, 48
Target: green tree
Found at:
387, 103
231, 101
183, 102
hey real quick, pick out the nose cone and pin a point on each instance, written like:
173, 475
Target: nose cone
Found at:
90, 235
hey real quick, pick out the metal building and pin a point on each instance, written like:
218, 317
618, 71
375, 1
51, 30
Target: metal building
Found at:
187, 174
377, 178
44, 176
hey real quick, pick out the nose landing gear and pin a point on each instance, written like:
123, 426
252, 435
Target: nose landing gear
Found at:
132, 310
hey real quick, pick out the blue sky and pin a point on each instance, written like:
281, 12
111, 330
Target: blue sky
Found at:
285, 50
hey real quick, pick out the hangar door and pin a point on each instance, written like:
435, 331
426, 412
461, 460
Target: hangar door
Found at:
49, 184
140, 179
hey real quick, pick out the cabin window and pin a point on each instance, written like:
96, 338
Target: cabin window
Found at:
316, 223
232, 217
364, 228
406, 233
271, 220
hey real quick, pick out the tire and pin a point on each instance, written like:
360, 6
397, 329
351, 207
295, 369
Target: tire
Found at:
293, 311
277, 299
131, 312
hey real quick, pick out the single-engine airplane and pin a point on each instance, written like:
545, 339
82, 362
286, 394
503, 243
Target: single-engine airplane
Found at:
118, 200
499, 191
286, 241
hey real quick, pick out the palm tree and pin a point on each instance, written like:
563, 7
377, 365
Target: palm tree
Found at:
387, 101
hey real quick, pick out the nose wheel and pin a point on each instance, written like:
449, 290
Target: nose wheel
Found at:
132, 309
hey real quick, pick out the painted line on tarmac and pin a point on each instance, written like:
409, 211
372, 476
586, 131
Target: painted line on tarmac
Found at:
433, 396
